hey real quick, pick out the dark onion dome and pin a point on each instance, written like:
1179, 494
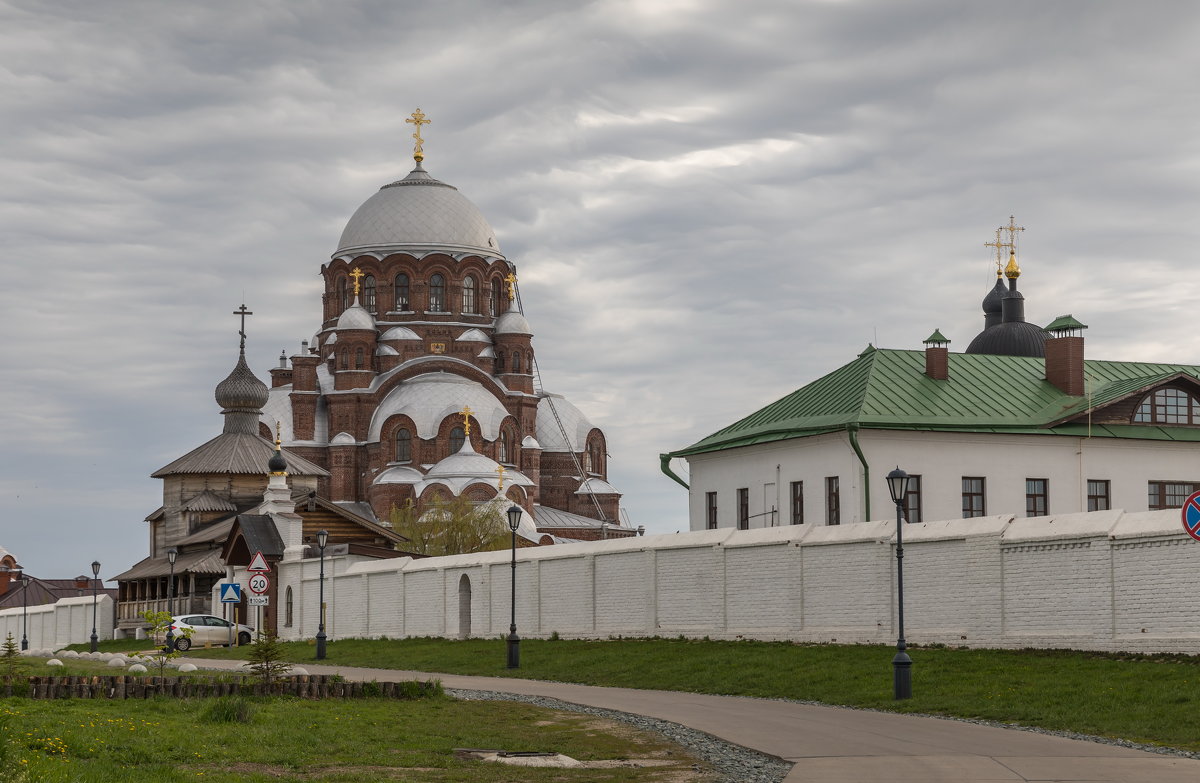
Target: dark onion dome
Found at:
1016, 338
242, 390
992, 303
277, 464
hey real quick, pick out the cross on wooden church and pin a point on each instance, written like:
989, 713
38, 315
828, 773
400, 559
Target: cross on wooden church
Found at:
243, 312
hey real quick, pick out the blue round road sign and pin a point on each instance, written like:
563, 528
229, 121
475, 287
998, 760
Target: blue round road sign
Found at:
1191, 515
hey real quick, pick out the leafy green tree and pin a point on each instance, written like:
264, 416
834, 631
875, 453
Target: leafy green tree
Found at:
266, 658
452, 527
159, 623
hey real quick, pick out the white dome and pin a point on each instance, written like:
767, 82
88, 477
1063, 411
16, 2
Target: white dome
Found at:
466, 463
474, 336
428, 399
400, 474
512, 322
400, 333
419, 211
356, 317
573, 421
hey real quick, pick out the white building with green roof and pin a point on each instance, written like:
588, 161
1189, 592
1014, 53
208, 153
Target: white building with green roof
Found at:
1019, 424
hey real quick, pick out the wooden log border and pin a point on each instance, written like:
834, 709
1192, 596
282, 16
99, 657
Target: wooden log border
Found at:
127, 686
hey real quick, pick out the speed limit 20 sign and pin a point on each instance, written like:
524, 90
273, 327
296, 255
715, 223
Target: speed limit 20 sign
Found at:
259, 584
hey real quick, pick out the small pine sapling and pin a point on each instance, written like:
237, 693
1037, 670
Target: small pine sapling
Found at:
266, 658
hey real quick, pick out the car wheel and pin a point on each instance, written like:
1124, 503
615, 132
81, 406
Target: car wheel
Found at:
182, 643
243, 638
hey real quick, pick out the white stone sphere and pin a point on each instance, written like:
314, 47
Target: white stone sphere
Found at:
69, 654
137, 668
117, 663
54, 662
296, 670
187, 667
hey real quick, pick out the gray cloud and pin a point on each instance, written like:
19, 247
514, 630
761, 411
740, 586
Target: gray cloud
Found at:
710, 203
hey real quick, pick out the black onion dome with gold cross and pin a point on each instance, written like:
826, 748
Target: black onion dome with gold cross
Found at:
1012, 335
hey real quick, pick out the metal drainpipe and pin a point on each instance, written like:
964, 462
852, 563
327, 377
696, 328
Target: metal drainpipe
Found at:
664, 462
852, 429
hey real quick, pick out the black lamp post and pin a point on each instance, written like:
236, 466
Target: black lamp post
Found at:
95, 599
322, 540
172, 553
514, 641
24, 611
901, 664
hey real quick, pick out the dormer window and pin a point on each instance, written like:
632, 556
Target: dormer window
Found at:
1167, 406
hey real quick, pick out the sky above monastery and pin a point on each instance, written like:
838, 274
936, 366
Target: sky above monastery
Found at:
709, 204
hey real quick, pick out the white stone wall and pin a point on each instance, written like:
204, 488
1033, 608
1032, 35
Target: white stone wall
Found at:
1103, 581
68, 621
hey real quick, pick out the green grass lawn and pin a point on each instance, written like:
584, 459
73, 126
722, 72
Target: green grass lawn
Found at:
1153, 699
282, 739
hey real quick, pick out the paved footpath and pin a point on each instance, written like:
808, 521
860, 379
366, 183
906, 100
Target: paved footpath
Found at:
838, 745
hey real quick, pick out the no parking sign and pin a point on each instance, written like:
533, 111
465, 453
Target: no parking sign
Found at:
1191, 515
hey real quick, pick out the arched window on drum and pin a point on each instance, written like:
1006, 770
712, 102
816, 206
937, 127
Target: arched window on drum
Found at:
469, 303
368, 293
403, 445
402, 292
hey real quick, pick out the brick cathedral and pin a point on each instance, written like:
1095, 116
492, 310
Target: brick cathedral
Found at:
422, 381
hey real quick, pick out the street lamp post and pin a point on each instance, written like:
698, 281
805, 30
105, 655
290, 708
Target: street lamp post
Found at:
95, 599
24, 611
322, 540
901, 664
514, 641
172, 553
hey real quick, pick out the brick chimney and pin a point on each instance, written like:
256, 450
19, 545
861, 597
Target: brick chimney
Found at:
937, 356
1064, 355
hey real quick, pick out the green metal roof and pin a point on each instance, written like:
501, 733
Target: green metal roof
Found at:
888, 389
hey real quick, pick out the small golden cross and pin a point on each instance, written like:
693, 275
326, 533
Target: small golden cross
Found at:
512, 286
358, 275
1012, 228
278, 439
466, 414
999, 246
500, 483
418, 119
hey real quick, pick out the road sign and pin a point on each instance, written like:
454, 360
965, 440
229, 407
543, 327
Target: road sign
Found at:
231, 592
258, 563
1191, 515
258, 600
259, 583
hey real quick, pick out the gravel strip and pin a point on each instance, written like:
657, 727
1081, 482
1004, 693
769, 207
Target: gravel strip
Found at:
733, 763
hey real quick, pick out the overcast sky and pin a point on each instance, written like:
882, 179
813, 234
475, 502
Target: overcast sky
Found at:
709, 204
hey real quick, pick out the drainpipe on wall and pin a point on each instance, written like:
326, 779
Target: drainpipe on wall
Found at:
852, 429
664, 462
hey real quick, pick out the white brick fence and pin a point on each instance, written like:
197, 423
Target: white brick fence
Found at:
69, 621
1101, 581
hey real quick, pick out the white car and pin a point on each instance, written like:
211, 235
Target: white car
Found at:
206, 629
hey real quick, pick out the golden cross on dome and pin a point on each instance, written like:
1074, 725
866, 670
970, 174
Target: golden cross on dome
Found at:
1012, 228
418, 119
466, 414
500, 483
999, 255
512, 285
358, 275
278, 439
